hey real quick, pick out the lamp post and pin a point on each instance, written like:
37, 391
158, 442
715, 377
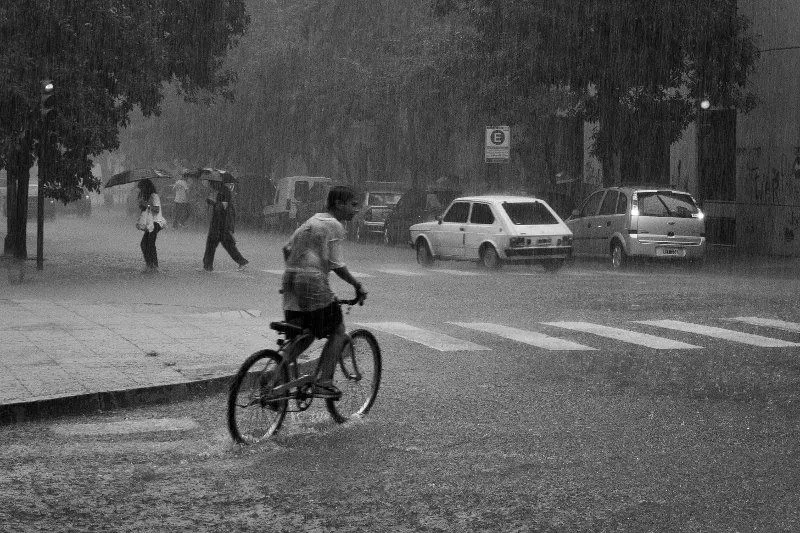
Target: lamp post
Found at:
45, 108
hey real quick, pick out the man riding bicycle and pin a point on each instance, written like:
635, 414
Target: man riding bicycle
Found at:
313, 250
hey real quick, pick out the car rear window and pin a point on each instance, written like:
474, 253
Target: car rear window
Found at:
666, 204
529, 213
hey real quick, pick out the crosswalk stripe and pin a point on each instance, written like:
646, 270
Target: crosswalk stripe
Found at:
431, 339
457, 272
720, 333
769, 322
533, 338
399, 272
624, 335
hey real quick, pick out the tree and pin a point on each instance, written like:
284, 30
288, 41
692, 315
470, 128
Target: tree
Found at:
105, 58
636, 67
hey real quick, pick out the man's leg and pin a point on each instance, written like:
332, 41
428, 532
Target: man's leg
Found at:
211, 247
229, 243
330, 354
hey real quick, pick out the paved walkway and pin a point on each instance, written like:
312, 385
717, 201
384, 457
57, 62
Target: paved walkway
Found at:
67, 357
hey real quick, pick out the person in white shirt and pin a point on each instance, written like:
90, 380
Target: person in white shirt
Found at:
313, 251
181, 203
149, 200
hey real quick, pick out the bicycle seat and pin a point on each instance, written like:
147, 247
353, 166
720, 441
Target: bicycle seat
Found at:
286, 328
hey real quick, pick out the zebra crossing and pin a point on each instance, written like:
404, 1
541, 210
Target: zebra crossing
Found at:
442, 342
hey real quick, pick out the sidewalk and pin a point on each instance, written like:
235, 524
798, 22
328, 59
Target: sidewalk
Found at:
65, 357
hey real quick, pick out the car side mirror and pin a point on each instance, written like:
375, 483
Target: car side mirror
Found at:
439, 219
576, 213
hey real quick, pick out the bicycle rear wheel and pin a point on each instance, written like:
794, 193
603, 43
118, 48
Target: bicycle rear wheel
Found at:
358, 376
251, 415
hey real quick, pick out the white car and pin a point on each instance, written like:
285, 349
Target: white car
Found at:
494, 230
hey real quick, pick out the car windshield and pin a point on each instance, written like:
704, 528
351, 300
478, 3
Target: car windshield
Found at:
383, 198
666, 204
529, 213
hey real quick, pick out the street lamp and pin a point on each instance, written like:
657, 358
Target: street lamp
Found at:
46, 106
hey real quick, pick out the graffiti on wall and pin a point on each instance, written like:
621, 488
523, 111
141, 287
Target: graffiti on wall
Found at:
773, 179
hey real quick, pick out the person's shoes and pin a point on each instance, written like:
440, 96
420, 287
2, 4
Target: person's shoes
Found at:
208, 269
243, 266
326, 390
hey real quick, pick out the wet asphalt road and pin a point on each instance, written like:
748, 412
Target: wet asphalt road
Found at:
504, 437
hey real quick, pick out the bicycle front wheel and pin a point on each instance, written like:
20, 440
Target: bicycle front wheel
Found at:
358, 376
252, 416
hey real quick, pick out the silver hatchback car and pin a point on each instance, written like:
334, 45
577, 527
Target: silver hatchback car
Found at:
638, 221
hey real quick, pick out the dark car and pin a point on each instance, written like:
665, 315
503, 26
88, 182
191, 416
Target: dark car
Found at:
81, 207
415, 206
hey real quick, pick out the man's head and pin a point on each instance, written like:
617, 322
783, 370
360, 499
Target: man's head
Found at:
342, 203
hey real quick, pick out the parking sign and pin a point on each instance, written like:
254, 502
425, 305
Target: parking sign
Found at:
498, 144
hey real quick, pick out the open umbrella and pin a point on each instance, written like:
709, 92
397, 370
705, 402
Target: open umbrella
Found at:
212, 174
139, 174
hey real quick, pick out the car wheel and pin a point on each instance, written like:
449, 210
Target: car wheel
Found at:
489, 258
553, 266
619, 259
424, 255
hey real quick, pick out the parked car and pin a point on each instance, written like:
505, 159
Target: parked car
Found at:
377, 200
81, 207
294, 199
415, 206
626, 222
493, 230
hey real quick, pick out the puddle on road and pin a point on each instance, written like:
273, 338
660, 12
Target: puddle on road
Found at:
125, 427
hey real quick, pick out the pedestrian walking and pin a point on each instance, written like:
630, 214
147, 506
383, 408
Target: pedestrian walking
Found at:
221, 229
151, 221
181, 203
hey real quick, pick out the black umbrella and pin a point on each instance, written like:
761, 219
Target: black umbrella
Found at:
212, 174
139, 174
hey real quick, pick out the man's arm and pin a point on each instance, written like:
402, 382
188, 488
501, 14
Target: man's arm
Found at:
345, 274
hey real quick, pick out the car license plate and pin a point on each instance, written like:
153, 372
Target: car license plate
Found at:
671, 252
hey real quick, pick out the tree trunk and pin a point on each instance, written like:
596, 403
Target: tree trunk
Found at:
18, 167
412, 147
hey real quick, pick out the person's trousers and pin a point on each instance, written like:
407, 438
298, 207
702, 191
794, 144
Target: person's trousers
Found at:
149, 246
228, 242
181, 213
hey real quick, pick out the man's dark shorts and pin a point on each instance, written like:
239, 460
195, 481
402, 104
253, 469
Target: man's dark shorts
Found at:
322, 322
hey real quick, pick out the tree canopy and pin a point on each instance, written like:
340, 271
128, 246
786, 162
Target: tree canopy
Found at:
104, 58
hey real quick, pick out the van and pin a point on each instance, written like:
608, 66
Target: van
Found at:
292, 200
621, 223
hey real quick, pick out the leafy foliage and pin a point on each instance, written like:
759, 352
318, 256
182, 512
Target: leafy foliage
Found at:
105, 58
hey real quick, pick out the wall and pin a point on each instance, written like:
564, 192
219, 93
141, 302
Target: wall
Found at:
768, 138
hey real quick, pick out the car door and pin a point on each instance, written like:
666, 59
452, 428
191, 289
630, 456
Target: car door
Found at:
583, 225
449, 240
605, 223
482, 225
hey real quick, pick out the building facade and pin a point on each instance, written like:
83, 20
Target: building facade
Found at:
745, 168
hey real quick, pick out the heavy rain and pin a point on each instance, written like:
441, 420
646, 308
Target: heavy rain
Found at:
567, 229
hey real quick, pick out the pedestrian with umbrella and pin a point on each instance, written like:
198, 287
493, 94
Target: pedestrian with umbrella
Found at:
151, 219
222, 219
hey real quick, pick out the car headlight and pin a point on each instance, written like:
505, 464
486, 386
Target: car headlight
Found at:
567, 240
516, 242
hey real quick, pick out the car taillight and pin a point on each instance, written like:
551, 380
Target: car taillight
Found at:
634, 205
565, 241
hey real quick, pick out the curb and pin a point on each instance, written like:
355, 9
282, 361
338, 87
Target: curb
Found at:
102, 401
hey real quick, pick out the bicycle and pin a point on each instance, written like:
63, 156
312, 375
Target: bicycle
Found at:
269, 382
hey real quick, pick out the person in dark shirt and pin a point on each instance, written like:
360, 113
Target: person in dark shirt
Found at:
221, 229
